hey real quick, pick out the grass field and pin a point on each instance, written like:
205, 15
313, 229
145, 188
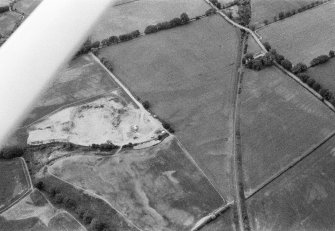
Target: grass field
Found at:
280, 121
14, 182
27, 6
304, 36
137, 15
301, 199
324, 74
186, 74
157, 188
267, 9
8, 21
82, 79
35, 213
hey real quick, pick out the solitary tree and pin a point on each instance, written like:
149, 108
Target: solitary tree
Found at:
266, 22
184, 18
331, 53
267, 46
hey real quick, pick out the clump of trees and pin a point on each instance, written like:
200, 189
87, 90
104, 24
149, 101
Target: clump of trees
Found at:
258, 63
282, 15
168, 127
182, 20
210, 12
10, 152
298, 68
108, 64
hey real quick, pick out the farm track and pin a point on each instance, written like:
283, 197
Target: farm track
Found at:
243, 221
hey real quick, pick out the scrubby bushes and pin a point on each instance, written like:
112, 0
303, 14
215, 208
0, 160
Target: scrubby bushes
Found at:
108, 64
104, 147
10, 152
184, 19
244, 12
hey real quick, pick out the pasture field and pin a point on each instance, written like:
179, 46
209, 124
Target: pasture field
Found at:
8, 22
324, 74
302, 198
157, 188
82, 79
267, 9
137, 15
34, 212
26, 6
186, 74
96, 207
304, 36
14, 181
280, 121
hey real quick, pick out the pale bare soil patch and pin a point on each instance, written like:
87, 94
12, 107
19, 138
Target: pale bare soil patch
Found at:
106, 120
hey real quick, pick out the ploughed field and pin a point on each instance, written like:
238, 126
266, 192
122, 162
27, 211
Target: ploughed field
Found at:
302, 198
127, 16
34, 212
280, 121
304, 36
14, 181
186, 74
157, 188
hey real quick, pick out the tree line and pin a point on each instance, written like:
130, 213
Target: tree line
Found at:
282, 15
182, 20
59, 198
